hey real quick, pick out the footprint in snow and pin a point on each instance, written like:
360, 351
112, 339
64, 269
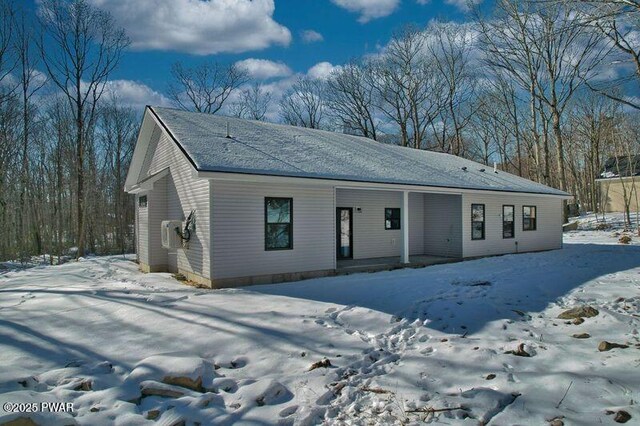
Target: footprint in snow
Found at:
428, 351
238, 363
288, 411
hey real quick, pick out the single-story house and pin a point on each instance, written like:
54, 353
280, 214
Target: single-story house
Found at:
230, 202
620, 182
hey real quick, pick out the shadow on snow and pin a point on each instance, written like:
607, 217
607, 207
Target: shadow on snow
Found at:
464, 297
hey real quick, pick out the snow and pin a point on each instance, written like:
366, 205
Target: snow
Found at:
273, 149
401, 343
32, 261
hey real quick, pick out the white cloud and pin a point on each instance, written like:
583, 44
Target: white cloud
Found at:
311, 36
369, 9
321, 70
135, 94
198, 27
8, 83
263, 68
463, 5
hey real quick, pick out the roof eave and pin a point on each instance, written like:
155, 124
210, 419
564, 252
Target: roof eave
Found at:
319, 180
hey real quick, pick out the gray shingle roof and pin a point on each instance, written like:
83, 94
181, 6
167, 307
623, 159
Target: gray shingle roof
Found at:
273, 149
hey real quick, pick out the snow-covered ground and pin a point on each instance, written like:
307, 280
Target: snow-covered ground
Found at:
403, 346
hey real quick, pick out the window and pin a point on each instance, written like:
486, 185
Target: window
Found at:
142, 201
477, 221
508, 225
278, 223
391, 218
529, 218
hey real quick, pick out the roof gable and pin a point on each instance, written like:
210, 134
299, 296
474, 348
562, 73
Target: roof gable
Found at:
152, 152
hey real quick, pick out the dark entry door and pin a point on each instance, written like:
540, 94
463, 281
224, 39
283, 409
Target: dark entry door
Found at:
344, 231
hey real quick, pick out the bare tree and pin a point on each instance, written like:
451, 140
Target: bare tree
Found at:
591, 123
451, 48
204, 87
303, 105
547, 48
350, 96
408, 88
117, 134
506, 109
492, 129
8, 116
30, 82
9, 151
506, 41
570, 52
80, 48
618, 21
59, 126
253, 103
7, 31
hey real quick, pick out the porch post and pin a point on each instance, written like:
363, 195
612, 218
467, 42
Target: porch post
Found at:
405, 227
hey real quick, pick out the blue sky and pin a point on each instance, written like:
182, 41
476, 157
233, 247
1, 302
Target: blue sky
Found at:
289, 37
343, 37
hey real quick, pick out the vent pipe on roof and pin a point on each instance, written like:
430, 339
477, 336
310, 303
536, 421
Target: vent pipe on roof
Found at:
495, 167
228, 133
464, 168
482, 170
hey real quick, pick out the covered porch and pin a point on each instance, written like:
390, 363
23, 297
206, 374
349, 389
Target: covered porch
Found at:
379, 229
386, 263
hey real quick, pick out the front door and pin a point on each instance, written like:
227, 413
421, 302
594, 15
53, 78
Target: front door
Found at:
344, 232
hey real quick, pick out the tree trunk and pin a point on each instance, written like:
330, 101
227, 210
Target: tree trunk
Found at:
80, 172
534, 131
557, 132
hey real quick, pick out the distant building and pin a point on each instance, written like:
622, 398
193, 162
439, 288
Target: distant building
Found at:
621, 175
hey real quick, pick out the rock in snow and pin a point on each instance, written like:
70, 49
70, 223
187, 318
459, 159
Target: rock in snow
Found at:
183, 371
607, 346
579, 312
520, 351
581, 336
324, 363
622, 417
153, 388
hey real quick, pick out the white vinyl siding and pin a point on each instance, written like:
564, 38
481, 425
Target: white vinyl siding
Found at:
239, 227
183, 193
443, 225
156, 207
435, 226
142, 232
548, 235
148, 231
370, 239
152, 154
